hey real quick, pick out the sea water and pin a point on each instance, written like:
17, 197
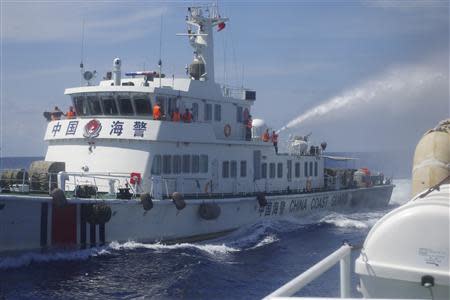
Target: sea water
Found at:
247, 264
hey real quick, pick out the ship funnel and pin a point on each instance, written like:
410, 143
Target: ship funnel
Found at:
117, 63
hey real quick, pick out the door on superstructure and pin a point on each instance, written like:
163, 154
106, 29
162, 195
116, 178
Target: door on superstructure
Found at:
289, 170
215, 175
256, 165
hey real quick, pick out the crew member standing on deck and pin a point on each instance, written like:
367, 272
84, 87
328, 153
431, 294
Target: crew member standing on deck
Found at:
187, 116
275, 141
266, 136
156, 112
56, 114
176, 115
248, 127
71, 114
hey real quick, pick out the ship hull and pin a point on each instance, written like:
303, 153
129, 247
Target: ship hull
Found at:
31, 222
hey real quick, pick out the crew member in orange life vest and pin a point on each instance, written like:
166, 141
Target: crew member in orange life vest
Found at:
71, 114
248, 127
266, 136
275, 141
176, 115
156, 111
187, 116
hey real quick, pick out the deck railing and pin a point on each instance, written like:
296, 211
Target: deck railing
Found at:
341, 255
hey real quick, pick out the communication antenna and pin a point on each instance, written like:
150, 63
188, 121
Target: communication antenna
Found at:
160, 47
82, 49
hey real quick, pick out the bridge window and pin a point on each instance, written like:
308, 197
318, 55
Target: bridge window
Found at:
264, 170
316, 167
195, 163
166, 164
297, 170
143, 106
81, 106
186, 163
233, 171
176, 164
125, 106
310, 168
272, 170
156, 165
204, 163
280, 170
109, 106
208, 112
225, 169
243, 168
217, 112
195, 111
239, 114
306, 169
94, 105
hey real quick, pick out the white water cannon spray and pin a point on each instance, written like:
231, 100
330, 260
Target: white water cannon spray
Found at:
117, 63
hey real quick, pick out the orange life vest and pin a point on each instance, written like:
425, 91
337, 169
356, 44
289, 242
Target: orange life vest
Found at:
187, 117
265, 137
176, 116
156, 112
70, 115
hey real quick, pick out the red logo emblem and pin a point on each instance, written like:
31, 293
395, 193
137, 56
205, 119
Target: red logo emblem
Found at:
92, 129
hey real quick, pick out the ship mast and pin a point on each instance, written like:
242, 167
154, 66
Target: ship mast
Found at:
200, 33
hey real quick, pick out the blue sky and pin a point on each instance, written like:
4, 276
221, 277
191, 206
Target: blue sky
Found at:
295, 54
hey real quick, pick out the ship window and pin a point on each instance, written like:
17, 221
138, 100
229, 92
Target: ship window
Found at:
297, 170
94, 105
166, 165
195, 111
195, 163
176, 164
217, 112
310, 168
239, 114
233, 171
80, 106
109, 106
156, 165
264, 170
125, 106
243, 168
272, 170
306, 169
208, 112
280, 170
225, 169
186, 163
315, 168
142, 106
204, 163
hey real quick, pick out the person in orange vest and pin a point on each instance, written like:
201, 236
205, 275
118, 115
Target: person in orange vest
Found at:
71, 114
266, 136
275, 141
187, 116
156, 112
176, 117
248, 127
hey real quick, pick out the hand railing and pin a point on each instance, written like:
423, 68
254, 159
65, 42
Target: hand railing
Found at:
341, 255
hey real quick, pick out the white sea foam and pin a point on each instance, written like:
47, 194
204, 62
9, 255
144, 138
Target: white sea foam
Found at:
402, 191
25, 259
270, 239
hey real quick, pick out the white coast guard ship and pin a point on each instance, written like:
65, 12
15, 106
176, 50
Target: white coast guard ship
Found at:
114, 173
